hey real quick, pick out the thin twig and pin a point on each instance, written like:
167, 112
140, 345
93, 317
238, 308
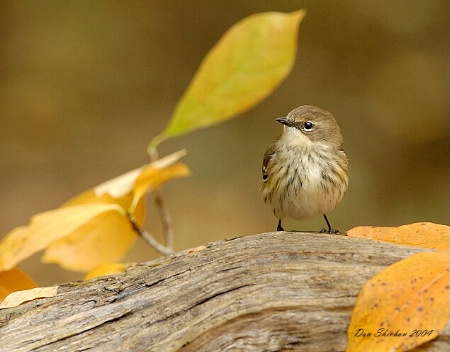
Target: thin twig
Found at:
166, 220
164, 215
150, 239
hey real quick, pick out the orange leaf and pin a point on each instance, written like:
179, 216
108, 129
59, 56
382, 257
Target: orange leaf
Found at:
93, 228
152, 177
14, 280
89, 197
124, 184
421, 234
46, 228
103, 239
403, 306
127, 191
108, 269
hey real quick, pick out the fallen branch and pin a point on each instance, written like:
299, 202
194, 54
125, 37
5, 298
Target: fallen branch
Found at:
272, 291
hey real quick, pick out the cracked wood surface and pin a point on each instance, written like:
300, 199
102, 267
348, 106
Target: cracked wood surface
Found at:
272, 292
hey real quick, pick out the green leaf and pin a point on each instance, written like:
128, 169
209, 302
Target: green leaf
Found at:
244, 67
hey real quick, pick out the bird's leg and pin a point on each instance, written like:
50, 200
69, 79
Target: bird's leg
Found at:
279, 227
330, 230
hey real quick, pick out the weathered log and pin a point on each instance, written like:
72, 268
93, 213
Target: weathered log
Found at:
266, 292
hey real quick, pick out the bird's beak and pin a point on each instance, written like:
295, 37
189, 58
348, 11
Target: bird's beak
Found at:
285, 121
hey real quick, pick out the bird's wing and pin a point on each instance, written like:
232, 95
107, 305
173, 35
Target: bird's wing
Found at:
267, 156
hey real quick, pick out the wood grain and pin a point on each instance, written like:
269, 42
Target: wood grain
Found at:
266, 292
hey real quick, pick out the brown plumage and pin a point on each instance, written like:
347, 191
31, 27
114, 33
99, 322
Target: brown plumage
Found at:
305, 171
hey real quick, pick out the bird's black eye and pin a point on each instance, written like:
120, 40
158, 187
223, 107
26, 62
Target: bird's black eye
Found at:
308, 126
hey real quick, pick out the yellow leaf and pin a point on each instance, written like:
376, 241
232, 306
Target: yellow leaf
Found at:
108, 269
120, 186
14, 280
403, 306
421, 234
89, 197
105, 238
251, 59
124, 184
94, 227
19, 297
128, 190
152, 177
45, 228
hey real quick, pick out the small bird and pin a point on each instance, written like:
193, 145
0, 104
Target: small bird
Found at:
305, 171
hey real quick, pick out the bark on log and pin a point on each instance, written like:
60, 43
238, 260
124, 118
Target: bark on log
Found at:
266, 292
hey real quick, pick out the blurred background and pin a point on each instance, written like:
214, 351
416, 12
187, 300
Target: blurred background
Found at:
85, 85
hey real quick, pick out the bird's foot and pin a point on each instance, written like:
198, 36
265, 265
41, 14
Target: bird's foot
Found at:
332, 231
279, 227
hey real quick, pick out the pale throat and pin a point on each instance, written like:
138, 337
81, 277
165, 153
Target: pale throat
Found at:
295, 138
307, 155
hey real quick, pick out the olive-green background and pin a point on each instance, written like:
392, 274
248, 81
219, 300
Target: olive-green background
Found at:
85, 85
